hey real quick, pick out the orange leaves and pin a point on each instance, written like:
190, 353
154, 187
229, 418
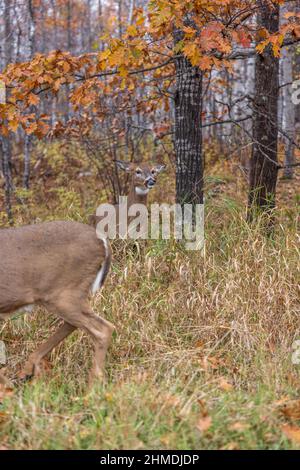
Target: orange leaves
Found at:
276, 40
189, 32
241, 37
204, 421
291, 409
212, 37
31, 128
33, 99
291, 432
6, 391
208, 32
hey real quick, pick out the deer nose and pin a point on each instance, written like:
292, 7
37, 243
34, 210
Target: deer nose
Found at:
150, 182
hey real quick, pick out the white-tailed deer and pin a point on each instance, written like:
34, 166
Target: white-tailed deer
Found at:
143, 177
55, 265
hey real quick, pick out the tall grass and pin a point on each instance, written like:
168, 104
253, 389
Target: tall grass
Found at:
202, 353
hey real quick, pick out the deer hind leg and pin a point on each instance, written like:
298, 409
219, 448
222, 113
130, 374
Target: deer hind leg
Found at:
98, 328
31, 367
101, 339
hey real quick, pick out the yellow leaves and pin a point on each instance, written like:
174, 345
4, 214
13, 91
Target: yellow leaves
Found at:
132, 30
191, 50
13, 125
276, 40
104, 55
117, 57
261, 47
123, 71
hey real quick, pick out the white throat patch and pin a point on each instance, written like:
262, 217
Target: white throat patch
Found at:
141, 191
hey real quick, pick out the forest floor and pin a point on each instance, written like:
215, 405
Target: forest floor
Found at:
202, 355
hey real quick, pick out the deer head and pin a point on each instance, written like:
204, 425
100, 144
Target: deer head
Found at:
143, 175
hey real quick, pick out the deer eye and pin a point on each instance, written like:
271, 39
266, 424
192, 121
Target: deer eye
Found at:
138, 172
153, 172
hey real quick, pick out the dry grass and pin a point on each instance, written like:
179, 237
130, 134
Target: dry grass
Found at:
202, 353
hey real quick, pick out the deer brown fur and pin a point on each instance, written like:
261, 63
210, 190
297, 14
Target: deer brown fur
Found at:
56, 265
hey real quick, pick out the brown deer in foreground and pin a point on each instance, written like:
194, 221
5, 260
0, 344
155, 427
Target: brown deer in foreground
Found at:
143, 178
55, 265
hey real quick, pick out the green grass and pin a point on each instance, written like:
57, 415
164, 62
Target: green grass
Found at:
201, 357
142, 412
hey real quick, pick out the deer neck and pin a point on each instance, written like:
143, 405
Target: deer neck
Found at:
137, 196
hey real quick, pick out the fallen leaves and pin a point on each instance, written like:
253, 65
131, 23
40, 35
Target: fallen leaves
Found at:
204, 421
238, 427
291, 409
224, 385
5, 391
291, 432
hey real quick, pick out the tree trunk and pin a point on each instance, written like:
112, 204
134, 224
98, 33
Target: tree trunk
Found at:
188, 132
26, 174
31, 52
6, 170
31, 29
263, 164
289, 112
296, 71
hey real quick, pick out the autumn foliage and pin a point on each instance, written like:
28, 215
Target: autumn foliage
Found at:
212, 34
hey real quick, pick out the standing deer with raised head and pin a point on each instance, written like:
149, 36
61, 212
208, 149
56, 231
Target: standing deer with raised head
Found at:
56, 265
143, 178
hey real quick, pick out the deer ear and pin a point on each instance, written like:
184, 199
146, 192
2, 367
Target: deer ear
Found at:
160, 168
125, 166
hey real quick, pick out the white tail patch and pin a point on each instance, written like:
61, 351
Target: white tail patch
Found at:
101, 274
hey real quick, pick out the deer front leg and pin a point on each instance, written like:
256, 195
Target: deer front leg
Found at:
31, 367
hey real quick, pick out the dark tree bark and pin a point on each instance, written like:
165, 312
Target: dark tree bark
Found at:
188, 132
6, 170
263, 163
27, 166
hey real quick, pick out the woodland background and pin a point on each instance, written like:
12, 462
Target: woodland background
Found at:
202, 357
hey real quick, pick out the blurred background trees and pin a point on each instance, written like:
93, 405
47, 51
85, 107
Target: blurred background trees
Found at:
185, 82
